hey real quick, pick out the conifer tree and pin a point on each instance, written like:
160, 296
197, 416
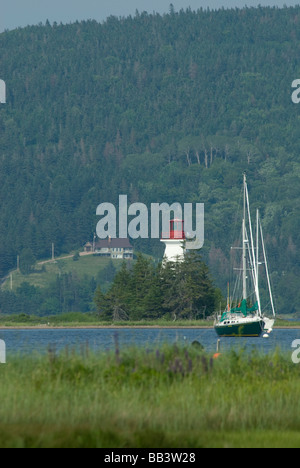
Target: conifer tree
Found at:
153, 302
119, 296
27, 261
102, 304
142, 281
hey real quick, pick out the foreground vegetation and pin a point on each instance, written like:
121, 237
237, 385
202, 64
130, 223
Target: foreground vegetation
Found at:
167, 397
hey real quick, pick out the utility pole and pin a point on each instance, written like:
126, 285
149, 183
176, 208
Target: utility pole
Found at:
94, 240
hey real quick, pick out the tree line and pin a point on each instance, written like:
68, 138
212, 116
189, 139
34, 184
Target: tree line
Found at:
172, 290
68, 293
139, 290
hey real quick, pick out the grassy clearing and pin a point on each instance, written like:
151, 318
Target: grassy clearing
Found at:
45, 273
166, 397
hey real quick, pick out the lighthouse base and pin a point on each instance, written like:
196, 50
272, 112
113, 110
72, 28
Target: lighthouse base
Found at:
174, 251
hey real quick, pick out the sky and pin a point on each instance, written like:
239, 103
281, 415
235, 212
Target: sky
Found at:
20, 13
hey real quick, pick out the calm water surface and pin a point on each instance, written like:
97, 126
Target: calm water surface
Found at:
33, 341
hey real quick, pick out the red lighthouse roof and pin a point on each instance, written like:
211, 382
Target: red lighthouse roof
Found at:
176, 230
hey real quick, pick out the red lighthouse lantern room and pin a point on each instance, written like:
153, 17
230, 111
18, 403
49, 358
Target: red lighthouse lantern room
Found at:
177, 229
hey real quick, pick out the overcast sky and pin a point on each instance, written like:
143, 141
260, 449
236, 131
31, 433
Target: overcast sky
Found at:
15, 13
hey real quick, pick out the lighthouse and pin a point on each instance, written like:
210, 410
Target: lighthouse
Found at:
174, 241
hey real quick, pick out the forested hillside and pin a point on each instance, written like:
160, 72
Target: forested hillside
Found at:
162, 108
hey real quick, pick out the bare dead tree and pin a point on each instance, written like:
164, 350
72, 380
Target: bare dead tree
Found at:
119, 314
188, 158
211, 154
205, 157
226, 152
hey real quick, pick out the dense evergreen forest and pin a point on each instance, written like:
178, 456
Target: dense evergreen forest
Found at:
181, 290
161, 108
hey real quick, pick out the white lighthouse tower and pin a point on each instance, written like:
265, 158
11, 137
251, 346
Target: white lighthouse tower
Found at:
174, 241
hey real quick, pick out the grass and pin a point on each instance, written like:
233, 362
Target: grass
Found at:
46, 273
166, 397
279, 323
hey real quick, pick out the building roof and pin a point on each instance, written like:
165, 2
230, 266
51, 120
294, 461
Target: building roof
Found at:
113, 243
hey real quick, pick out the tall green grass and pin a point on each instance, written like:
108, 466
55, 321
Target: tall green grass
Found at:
166, 397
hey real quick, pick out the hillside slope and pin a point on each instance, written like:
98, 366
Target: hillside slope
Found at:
162, 108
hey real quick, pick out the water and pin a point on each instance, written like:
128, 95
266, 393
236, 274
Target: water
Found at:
39, 341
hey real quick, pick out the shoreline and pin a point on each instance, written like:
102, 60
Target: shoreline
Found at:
99, 327
117, 327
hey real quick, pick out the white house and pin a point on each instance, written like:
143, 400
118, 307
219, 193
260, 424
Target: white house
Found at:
111, 248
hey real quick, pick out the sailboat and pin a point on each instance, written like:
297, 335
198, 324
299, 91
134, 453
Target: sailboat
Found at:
245, 318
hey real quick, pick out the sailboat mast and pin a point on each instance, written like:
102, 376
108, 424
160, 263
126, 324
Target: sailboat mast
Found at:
257, 262
244, 245
257, 246
267, 270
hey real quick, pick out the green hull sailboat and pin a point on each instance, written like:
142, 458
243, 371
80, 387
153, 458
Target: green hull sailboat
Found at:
243, 319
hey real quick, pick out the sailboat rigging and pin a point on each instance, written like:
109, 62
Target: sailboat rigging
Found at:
244, 319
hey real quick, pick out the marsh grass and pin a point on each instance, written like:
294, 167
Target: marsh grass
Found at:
162, 397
